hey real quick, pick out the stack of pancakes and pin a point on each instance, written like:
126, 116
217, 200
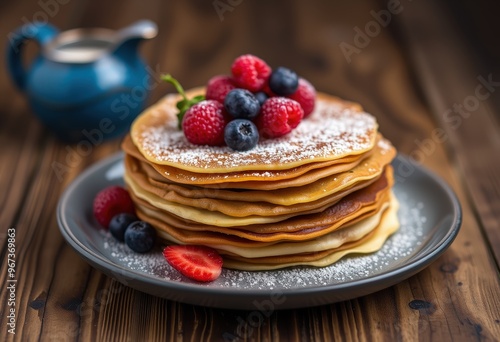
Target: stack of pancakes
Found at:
307, 198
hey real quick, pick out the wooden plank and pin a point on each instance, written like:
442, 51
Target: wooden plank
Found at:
461, 100
46, 267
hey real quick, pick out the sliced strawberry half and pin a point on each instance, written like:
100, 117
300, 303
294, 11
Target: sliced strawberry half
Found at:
200, 263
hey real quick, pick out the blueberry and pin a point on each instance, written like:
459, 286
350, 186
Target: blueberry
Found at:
242, 104
119, 224
140, 236
283, 81
261, 97
241, 135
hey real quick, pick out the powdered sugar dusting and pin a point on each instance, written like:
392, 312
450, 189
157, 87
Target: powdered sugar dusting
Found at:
397, 250
334, 130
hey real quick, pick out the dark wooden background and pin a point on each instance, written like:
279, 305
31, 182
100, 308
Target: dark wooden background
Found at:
424, 61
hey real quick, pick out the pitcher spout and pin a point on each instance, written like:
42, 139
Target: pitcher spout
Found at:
128, 38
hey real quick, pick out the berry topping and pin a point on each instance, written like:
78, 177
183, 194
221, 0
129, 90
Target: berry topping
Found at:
250, 72
218, 87
278, 116
305, 95
140, 236
244, 95
204, 123
283, 81
195, 262
119, 224
240, 103
111, 201
261, 97
241, 135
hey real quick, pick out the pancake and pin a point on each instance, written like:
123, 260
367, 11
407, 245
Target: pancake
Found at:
348, 211
242, 238
370, 169
370, 244
223, 180
201, 215
315, 248
382, 150
382, 147
231, 207
335, 130
196, 214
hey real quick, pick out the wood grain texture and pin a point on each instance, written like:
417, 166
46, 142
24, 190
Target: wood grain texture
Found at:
463, 106
60, 297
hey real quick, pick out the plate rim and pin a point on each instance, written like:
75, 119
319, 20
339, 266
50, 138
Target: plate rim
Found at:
122, 274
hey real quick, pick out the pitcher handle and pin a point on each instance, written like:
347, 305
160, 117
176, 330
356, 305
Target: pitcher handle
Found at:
41, 33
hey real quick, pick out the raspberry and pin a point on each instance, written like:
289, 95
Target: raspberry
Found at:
278, 116
305, 95
111, 201
250, 72
218, 87
204, 123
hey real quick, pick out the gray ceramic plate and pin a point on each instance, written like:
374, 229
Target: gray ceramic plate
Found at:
429, 213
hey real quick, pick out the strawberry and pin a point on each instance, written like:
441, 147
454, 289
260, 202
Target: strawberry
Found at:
199, 263
278, 116
111, 201
250, 72
305, 95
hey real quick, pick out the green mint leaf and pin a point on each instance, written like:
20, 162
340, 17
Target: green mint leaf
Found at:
184, 104
181, 104
197, 99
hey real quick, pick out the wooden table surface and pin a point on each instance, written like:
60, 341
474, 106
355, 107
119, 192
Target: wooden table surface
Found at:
416, 72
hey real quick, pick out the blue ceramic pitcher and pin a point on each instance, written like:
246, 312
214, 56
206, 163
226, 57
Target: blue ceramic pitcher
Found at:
84, 83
